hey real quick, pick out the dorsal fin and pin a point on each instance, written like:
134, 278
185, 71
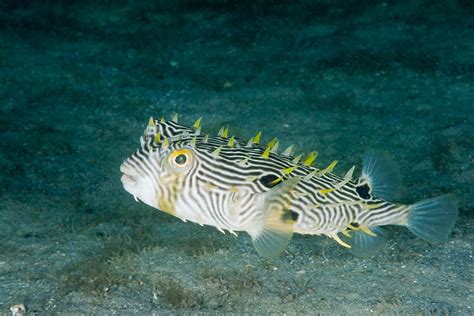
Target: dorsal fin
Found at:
382, 175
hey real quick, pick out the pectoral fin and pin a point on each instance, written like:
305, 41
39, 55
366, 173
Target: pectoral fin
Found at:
273, 231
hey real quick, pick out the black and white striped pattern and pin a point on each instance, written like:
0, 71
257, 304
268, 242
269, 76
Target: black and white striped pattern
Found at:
225, 192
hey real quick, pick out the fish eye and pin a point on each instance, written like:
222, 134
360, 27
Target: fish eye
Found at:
180, 159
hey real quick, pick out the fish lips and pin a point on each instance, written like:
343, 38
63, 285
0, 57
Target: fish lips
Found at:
140, 187
129, 179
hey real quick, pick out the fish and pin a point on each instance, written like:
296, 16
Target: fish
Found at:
247, 186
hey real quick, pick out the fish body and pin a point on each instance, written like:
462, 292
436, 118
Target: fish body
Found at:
237, 185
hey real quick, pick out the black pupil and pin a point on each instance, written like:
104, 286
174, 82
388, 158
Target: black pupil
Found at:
180, 159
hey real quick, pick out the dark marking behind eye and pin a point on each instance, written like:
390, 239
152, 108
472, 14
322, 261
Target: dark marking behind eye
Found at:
267, 180
363, 191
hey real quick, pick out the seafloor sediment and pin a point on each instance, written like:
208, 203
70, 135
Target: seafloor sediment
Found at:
79, 82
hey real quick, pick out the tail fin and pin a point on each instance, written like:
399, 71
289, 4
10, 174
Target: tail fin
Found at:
433, 219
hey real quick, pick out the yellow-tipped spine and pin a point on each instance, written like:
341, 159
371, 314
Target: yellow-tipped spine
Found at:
297, 159
151, 122
256, 139
158, 138
231, 142
289, 150
267, 151
216, 152
220, 132
310, 158
165, 143
289, 169
197, 124
226, 132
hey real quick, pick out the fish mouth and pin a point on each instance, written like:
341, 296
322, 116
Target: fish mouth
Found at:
140, 186
128, 175
129, 179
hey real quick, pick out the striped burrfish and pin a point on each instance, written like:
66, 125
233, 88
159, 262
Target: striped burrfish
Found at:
237, 185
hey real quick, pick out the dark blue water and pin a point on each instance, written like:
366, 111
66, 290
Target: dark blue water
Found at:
78, 83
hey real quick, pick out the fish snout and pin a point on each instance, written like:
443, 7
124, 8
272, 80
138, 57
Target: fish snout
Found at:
129, 175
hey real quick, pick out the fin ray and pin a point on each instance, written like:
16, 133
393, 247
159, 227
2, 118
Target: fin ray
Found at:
382, 174
433, 219
276, 230
364, 245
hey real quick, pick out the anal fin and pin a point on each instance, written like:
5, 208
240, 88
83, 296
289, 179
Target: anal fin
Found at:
364, 245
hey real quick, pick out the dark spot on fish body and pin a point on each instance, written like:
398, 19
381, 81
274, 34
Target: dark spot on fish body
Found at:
290, 215
294, 215
269, 180
354, 225
363, 191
